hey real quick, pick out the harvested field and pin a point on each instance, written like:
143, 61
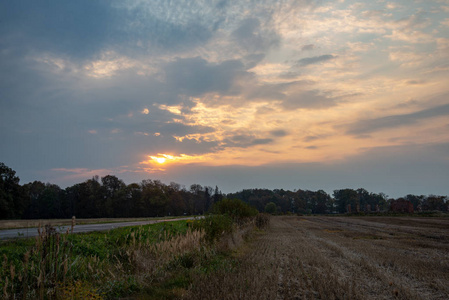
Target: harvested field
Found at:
338, 258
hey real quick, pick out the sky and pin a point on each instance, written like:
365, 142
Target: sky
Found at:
239, 94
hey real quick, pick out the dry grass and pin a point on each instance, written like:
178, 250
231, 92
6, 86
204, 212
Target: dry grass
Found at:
338, 258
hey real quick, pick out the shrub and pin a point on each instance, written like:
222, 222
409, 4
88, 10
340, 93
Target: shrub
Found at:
270, 208
262, 220
214, 226
238, 210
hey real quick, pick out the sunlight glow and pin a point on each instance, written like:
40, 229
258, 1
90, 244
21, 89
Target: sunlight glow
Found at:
160, 160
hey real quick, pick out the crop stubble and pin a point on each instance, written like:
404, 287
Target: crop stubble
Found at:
339, 258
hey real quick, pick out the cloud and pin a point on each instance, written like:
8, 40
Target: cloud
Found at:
250, 36
266, 91
180, 129
195, 76
279, 133
194, 146
242, 140
314, 60
416, 82
308, 47
393, 121
93, 85
311, 138
305, 99
396, 171
79, 29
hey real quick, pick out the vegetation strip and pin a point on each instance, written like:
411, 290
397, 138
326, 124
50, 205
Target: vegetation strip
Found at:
157, 260
109, 196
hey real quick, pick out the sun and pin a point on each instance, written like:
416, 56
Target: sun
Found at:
160, 160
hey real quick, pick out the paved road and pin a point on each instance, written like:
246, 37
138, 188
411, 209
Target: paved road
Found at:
30, 232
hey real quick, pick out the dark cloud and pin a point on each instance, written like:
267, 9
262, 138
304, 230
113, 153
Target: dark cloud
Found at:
168, 34
253, 59
266, 92
314, 60
245, 141
195, 76
308, 47
311, 138
413, 22
262, 141
76, 28
273, 91
372, 13
84, 29
368, 126
250, 36
193, 147
309, 100
179, 129
415, 82
289, 75
279, 133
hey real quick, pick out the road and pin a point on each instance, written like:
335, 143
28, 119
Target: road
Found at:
31, 232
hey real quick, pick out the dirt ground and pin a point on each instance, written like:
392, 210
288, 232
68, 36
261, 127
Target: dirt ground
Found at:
339, 258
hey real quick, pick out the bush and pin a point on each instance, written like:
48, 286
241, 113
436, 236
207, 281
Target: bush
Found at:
238, 210
262, 220
270, 208
214, 226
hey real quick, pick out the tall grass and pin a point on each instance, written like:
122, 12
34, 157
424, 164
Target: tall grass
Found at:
43, 267
92, 264
151, 259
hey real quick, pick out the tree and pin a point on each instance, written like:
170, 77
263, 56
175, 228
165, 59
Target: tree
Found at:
33, 191
218, 196
270, 208
322, 199
114, 195
12, 201
346, 197
177, 204
155, 195
434, 203
415, 200
198, 203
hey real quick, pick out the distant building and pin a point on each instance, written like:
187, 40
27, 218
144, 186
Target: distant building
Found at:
401, 205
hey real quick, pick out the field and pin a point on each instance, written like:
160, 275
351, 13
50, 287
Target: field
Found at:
338, 258
306, 257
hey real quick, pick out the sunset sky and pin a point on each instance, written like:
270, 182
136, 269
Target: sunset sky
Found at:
240, 94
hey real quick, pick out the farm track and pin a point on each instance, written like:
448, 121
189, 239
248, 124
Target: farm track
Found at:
339, 258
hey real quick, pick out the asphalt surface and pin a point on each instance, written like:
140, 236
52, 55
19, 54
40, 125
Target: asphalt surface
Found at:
31, 232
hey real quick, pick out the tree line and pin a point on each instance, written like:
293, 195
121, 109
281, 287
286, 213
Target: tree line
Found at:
97, 197
109, 196
319, 202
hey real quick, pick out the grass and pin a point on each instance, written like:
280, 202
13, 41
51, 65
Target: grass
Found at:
156, 261
308, 257
53, 263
